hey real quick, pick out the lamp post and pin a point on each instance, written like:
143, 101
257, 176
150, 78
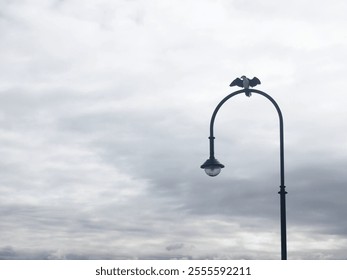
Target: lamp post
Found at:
213, 167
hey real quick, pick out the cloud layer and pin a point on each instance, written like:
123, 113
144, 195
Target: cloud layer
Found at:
104, 114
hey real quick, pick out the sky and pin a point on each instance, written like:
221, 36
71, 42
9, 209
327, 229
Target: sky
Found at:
104, 123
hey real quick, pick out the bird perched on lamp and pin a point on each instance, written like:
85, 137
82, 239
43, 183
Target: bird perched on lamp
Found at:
246, 83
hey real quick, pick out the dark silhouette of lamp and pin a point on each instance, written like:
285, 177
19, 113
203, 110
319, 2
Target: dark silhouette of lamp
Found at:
213, 167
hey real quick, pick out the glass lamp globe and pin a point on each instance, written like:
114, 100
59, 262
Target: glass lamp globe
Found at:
212, 167
212, 170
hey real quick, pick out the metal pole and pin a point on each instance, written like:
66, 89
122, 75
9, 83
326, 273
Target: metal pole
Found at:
282, 191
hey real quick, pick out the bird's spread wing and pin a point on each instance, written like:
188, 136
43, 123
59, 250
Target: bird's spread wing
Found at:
255, 81
237, 82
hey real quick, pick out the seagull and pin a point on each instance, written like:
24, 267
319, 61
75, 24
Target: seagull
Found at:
245, 83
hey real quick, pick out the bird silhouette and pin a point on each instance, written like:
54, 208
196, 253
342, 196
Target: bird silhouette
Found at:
245, 83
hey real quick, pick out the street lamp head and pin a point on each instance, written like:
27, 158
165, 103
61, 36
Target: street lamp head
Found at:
212, 167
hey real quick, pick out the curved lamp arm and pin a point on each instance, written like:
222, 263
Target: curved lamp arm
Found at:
211, 137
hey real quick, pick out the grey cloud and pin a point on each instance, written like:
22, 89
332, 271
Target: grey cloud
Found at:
104, 125
175, 246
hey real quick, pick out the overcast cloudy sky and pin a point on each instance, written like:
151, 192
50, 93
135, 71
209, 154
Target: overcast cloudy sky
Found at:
104, 121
